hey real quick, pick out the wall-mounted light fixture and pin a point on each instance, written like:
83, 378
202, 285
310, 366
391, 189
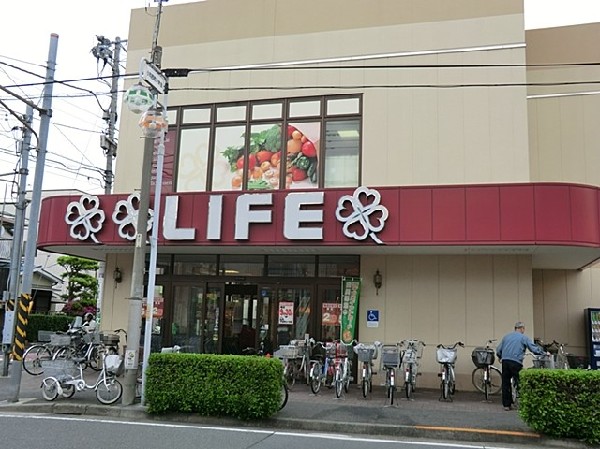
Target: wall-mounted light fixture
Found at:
117, 275
378, 281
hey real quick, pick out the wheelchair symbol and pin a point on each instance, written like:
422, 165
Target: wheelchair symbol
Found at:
372, 315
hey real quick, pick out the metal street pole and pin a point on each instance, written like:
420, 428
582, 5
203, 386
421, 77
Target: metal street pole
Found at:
17, 246
36, 197
160, 158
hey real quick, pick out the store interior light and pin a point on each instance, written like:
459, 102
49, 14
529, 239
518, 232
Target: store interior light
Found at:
348, 133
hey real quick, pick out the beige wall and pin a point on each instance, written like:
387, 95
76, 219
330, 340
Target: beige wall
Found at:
425, 135
559, 300
115, 305
442, 299
564, 134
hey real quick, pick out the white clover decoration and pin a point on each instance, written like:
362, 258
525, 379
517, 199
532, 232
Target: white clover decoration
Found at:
85, 217
125, 216
370, 215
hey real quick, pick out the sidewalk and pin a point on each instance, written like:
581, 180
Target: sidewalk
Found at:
468, 418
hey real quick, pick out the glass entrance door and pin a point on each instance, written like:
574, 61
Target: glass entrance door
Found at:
240, 318
186, 325
292, 317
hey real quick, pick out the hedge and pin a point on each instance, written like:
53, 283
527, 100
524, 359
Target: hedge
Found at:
242, 387
561, 403
54, 323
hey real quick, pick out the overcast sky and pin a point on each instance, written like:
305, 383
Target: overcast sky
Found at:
77, 122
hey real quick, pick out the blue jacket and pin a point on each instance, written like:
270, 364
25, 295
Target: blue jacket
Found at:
513, 347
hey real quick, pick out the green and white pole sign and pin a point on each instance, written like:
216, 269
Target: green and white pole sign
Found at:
350, 298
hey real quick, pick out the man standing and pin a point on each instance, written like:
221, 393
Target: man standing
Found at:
511, 351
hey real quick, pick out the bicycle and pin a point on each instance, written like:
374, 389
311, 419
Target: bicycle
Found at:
366, 353
486, 377
296, 358
84, 345
391, 357
343, 367
410, 364
560, 357
446, 356
66, 377
321, 368
36, 354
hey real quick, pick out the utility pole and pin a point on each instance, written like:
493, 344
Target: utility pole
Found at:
32, 233
16, 250
108, 142
136, 296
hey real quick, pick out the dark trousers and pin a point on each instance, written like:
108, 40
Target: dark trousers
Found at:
510, 369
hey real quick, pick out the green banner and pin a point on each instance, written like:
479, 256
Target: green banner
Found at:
350, 298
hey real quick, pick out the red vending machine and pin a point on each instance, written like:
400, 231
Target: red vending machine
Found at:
592, 326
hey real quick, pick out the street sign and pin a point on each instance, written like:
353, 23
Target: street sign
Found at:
153, 76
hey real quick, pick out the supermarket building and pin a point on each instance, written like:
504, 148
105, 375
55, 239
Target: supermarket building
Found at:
442, 148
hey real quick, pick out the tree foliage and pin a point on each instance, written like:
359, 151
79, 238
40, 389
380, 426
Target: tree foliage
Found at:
82, 287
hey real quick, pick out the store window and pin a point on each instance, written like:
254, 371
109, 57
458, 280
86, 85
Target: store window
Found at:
291, 266
241, 265
195, 264
299, 143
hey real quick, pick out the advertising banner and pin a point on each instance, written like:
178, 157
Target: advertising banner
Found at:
286, 313
330, 315
350, 298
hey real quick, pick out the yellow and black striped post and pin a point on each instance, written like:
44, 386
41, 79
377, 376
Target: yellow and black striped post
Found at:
25, 305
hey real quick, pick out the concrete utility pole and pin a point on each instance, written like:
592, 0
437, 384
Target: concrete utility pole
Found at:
136, 297
16, 250
32, 233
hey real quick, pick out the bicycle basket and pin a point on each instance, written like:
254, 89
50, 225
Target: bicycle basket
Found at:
543, 361
60, 369
410, 355
114, 364
390, 356
91, 337
336, 349
446, 355
482, 357
60, 339
44, 336
287, 352
110, 339
365, 353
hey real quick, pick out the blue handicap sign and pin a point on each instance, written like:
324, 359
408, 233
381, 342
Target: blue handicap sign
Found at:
372, 316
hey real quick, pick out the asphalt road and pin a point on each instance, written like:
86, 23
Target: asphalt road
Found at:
60, 432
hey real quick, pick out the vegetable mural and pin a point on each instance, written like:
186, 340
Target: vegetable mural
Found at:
264, 161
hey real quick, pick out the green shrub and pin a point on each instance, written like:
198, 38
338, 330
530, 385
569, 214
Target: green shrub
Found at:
54, 323
561, 403
214, 385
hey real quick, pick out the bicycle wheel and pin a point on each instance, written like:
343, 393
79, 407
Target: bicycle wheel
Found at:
514, 389
451, 380
68, 391
391, 384
346, 376
408, 384
288, 373
477, 378
94, 360
338, 382
365, 380
445, 383
315, 377
33, 358
495, 381
50, 389
284, 395
109, 391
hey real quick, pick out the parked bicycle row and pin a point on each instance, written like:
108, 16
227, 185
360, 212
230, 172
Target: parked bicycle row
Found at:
329, 364
74, 343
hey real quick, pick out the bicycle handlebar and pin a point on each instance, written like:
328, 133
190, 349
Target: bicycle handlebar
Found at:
458, 343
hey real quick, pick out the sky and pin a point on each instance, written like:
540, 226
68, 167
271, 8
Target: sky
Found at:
74, 159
